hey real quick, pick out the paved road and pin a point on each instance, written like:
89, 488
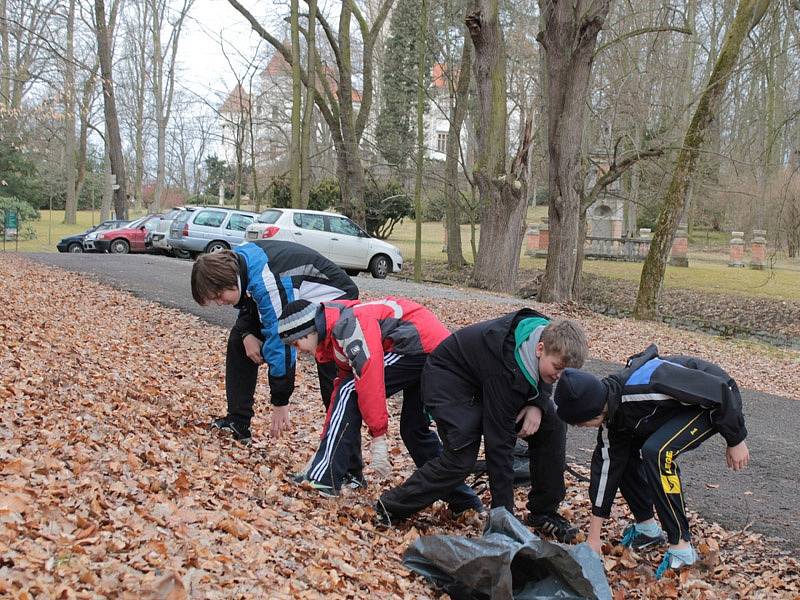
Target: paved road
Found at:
764, 496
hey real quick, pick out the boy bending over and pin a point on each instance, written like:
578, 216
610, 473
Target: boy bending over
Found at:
649, 414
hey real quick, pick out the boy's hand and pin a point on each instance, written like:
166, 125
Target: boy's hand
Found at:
280, 420
252, 347
737, 456
531, 418
595, 544
379, 459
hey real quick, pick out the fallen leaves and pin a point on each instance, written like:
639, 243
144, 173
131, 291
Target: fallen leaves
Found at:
113, 486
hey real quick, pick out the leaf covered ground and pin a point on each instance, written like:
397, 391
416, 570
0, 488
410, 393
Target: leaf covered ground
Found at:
112, 486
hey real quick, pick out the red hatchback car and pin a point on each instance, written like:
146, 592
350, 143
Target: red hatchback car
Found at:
127, 239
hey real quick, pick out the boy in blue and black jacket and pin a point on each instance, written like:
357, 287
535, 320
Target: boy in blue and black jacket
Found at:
260, 278
649, 414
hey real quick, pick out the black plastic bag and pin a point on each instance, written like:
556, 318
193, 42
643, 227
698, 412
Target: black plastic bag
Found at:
508, 562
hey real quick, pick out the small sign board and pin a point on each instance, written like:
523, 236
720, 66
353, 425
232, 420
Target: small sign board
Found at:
10, 225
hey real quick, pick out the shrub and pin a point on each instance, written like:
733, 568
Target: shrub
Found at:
387, 205
26, 214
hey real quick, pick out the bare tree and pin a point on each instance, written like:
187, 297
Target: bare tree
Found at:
568, 37
748, 15
113, 139
335, 99
308, 107
71, 204
164, 59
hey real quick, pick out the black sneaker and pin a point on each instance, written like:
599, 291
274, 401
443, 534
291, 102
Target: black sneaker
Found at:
239, 432
383, 518
554, 525
637, 540
457, 511
354, 482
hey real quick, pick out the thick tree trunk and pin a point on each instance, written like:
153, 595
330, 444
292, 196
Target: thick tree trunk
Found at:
71, 207
113, 139
748, 14
569, 36
503, 193
455, 254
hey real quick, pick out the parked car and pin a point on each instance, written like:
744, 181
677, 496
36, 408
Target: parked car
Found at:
157, 239
129, 238
74, 243
332, 235
209, 229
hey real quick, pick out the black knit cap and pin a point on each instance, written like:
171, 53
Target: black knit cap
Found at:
297, 320
579, 396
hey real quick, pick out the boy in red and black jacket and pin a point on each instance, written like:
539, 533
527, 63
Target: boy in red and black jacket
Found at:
379, 348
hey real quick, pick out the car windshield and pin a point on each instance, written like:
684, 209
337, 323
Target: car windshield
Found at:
137, 223
269, 216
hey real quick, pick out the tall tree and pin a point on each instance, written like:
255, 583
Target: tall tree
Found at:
308, 107
294, 147
335, 99
748, 15
422, 34
164, 59
112, 135
503, 191
71, 204
569, 38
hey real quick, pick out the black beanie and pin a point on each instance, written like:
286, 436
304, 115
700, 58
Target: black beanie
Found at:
579, 396
297, 320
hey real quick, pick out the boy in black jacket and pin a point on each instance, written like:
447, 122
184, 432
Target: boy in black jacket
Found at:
653, 410
492, 380
260, 278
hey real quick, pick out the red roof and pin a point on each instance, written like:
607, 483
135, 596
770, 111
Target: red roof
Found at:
238, 101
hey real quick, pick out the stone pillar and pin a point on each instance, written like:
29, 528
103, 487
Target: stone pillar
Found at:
758, 248
646, 235
531, 240
544, 236
679, 255
737, 249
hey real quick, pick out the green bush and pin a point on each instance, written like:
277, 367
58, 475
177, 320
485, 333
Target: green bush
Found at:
26, 213
387, 205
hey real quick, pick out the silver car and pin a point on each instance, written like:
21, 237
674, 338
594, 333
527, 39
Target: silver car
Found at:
157, 240
209, 229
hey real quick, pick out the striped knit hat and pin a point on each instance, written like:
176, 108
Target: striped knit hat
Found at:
297, 320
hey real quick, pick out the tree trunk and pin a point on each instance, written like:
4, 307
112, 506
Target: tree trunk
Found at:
748, 14
503, 193
308, 108
455, 254
108, 189
568, 37
113, 138
422, 36
71, 206
295, 159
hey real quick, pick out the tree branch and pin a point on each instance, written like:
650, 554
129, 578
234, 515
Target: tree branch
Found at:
638, 32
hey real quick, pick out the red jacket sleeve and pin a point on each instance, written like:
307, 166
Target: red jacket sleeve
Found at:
359, 338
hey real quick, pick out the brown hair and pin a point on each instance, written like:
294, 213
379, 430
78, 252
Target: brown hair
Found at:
567, 339
214, 273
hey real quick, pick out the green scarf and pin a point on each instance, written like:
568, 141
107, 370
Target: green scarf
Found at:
526, 336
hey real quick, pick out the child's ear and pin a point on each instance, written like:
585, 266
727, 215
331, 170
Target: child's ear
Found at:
539, 349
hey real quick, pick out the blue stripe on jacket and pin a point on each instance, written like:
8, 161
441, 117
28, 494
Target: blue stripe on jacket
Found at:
643, 374
270, 294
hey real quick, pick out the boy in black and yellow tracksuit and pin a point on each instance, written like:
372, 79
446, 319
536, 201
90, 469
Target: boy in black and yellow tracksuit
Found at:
648, 414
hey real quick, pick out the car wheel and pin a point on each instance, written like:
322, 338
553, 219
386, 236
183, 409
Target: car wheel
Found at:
181, 254
379, 266
216, 247
119, 247
75, 247
352, 272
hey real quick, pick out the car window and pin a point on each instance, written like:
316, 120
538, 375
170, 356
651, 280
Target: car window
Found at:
344, 226
239, 222
151, 224
309, 221
137, 223
209, 218
182, 217
269, 216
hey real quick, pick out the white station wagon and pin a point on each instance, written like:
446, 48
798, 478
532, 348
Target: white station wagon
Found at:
333, 235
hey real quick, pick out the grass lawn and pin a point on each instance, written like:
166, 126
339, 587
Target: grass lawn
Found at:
708, 271
50, 228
